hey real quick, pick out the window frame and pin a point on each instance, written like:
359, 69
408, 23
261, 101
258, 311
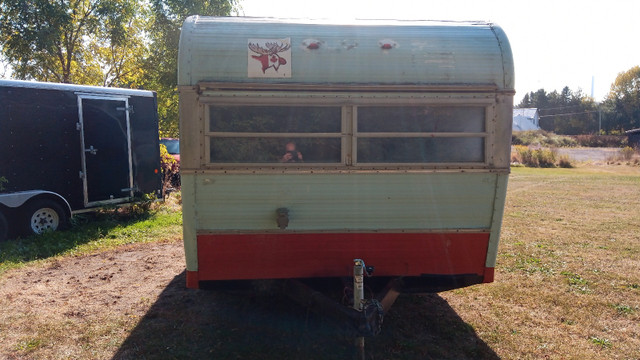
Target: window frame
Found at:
208, 135
421, 135
349, 104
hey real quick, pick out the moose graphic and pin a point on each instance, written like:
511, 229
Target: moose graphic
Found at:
268, 55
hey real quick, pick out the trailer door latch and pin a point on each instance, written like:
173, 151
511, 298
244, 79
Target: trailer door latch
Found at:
125, 108
91, 150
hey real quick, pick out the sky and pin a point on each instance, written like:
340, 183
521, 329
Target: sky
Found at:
554, 43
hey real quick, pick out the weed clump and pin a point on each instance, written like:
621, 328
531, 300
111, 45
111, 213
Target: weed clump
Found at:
543, 158
170, 171
549, 139
625, 155
600, 140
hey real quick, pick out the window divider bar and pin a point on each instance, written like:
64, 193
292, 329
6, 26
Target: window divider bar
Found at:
274, 135
420, 135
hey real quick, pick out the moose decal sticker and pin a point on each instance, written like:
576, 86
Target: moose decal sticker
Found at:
269, 58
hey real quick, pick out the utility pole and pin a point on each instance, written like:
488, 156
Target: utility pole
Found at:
599, 119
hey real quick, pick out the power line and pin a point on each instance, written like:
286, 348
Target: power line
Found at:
561, 107
567, 114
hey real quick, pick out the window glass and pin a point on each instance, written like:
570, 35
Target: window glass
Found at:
280, 122
313, 134
421, 119
420, 150
273, 150
275, 119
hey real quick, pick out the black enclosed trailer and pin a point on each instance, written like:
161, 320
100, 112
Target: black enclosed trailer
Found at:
67, 148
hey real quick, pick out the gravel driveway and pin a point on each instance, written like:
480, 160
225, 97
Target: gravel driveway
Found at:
588, 154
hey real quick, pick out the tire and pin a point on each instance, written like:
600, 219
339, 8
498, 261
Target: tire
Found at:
4, 227
43, 215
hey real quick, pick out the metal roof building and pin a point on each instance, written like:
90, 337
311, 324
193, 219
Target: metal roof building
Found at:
526, 119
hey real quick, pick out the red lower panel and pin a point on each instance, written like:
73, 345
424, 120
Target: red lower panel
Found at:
192, 279
489, 273
279, 256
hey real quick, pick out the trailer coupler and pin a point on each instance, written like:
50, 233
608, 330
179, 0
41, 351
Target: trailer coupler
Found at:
371, 316
365, 323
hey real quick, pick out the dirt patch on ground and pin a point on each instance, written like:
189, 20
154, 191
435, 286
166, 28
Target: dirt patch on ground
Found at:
43, 306
132, 304
567, 286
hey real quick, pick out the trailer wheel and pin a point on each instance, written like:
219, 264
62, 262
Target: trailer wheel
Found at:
4, 227
44, 215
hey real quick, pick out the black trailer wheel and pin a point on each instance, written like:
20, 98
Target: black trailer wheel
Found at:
44, 215
4, 227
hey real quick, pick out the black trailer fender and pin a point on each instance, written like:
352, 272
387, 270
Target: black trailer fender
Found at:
36, 211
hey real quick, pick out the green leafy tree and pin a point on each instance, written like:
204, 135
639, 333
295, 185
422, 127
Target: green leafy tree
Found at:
92, 42
624, 101
161, 70
565, 112
124, 43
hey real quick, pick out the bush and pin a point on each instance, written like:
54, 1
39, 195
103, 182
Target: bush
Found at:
564, 162
170, 171
545, 158
541, 138
548, 139
601, 140
627, 153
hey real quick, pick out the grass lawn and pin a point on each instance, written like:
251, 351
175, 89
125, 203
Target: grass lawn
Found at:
567, 286
568, 271
93, 232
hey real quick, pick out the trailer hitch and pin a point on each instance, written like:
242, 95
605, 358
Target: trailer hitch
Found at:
371, 316
365, 323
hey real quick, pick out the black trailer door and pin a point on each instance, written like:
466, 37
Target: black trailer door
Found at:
106, 149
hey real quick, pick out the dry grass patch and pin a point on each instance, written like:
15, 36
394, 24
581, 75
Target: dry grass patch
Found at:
627, 155
567, 287
567, 272
82, 307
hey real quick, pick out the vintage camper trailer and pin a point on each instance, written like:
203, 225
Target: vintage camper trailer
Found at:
307, 144
69, 148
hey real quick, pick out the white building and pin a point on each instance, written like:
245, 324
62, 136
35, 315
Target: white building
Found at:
526, 119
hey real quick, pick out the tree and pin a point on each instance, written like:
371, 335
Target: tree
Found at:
161, 70
92, 42
624, 100
567, 112
124, 43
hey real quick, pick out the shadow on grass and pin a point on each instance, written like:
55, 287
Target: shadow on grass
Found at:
198, 324
86, 228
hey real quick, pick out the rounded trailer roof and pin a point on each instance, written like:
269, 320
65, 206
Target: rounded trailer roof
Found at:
76, 88
371, 52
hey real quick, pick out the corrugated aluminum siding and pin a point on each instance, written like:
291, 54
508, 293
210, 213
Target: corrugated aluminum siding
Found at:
338, 202
425, 52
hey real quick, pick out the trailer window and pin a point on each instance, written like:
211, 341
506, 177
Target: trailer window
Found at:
392, 134
264, 134
420, 134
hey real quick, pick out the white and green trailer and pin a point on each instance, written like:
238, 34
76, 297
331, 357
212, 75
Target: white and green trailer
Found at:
308, 144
